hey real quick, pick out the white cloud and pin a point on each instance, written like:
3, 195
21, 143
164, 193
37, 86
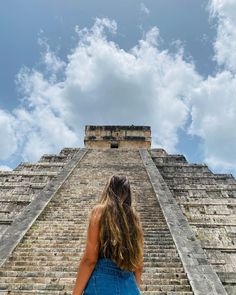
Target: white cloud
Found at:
5, 168
213, 114
8, 135
104, 84
43, 131
144, 9
213, 103
225, 44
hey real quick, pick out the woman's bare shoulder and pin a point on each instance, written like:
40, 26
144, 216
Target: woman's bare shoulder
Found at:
98, 207
97, 211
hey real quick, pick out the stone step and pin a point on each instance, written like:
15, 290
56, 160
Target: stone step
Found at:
29, 279
57, 256
157, 247
58, 274
59, 284
20, 174
60, 240
164, 166
71, 251
20, 266
49, 158
72, 268
166, 288
170, 159
160, 239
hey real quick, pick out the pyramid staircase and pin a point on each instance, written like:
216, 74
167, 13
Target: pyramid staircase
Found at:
44, 226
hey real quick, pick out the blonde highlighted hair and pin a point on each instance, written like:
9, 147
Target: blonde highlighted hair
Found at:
121, 235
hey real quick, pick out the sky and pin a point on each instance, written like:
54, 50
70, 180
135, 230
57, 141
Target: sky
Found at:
168, 64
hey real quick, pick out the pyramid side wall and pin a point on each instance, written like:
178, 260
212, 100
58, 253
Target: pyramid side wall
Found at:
208, 201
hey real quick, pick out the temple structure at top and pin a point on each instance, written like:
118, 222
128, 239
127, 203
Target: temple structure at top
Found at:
117, 136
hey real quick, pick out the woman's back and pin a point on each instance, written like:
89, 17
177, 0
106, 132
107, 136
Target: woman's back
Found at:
114, 248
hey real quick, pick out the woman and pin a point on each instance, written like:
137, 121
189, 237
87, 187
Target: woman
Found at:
113, 258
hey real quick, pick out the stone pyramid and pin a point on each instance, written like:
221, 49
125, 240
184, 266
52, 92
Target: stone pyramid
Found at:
188, 215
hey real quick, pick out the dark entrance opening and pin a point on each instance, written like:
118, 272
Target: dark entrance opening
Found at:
114, 145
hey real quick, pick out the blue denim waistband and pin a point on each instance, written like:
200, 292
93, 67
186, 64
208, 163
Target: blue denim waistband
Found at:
105, 265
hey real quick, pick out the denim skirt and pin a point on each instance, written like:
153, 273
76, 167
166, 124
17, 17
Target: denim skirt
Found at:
108, 279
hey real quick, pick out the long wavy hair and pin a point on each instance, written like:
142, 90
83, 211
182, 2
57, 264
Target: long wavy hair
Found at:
121, 234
